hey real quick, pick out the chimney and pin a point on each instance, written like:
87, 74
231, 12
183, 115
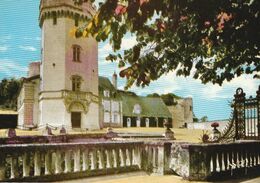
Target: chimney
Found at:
114, 80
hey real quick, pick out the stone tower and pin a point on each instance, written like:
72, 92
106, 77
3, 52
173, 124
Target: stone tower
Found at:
69, 70
114, 80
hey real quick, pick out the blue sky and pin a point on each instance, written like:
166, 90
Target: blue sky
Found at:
20, 44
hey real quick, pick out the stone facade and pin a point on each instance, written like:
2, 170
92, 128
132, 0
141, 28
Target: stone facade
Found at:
182, 112
62, 89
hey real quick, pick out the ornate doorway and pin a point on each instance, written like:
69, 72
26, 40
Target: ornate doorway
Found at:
76, 119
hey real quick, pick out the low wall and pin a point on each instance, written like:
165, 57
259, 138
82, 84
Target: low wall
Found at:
61, 161
207, 125
215, 161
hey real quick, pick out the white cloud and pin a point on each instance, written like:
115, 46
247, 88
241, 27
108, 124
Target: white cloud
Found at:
11, 68
3, 48
35, 38
28, 48
5, 38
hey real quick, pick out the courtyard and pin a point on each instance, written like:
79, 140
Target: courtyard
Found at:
181, 134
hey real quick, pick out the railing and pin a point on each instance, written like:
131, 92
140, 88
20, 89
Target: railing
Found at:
211, 161
48, 162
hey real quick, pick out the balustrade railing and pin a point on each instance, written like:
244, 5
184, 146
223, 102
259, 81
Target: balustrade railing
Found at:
211, 161
28, 162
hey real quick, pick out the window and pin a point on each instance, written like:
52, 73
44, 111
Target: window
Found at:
115, 118
137, 109
76, 53
76, 83
106, 93
77, 20
54, 18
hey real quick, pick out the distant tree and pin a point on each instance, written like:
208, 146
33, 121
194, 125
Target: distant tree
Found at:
9, 89
169, 98
195, 119
153, 95
204, 119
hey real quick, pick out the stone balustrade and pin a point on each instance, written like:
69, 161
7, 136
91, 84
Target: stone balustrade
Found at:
59, 161
213, 161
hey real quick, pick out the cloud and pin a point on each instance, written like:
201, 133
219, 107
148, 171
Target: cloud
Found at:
5, 38
3, 48
11, 68
34, 39
28, 48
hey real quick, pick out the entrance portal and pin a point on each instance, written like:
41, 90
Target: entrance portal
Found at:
76, 119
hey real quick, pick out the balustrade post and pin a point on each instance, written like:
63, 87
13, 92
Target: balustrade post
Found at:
57, 160
122, 157
37, 163
161, 157
101, 159
137, 156
67, 161
85, 159
48, 163
93, 159
129, 157
109, 158
2, 167
26, 164
77, 160
14, 166
116, 158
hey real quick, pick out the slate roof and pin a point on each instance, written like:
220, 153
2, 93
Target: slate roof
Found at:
151, 106
104, 83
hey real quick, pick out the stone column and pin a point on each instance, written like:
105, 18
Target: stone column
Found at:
26, 164
2, 167
14, 166
101, 159
67, 161
93, 159
47, 160
37, 163
123, 157
85, 159
109, 158
57, 160
77, 160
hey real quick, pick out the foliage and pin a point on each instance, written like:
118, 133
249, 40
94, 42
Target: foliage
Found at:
9, 92
169, 98
210, 40
204, 119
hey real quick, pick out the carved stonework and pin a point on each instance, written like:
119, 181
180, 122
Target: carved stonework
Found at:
78, 101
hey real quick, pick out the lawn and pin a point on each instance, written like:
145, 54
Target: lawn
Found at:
186, 135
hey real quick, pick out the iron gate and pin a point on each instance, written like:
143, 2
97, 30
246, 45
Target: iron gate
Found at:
247, 115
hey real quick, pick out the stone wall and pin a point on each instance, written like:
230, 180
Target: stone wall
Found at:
207, 125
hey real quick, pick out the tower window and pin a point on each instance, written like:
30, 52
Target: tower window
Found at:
76, 83
76, 53
54, 18
77, 20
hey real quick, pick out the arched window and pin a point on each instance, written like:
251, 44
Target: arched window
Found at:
76, 53
76, 83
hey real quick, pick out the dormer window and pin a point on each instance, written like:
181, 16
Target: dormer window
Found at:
76, 83
137, 109
106, 93
76, 53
